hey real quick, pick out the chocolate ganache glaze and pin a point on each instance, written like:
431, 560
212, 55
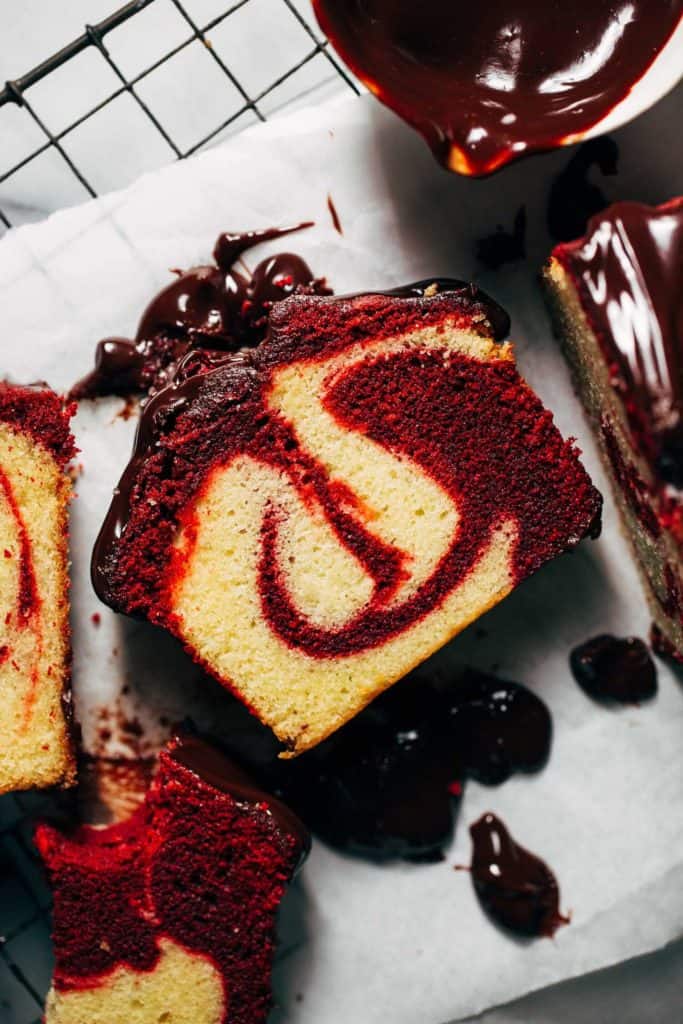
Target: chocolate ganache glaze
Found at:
485, 83
611, 668
388, 784
211, 307
515, 887
204, 376
629, 273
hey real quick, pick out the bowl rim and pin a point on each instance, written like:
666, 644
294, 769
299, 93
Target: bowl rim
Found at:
662, 75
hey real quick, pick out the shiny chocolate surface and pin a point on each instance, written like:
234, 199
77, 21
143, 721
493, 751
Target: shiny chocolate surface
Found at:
628, 270
485, 83
515, 887
217, 307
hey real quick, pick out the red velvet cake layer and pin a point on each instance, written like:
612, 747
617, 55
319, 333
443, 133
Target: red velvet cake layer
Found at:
204, 862
40, 413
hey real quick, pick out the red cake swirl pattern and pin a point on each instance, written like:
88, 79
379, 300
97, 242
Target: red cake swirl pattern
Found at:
370, 479
416, 408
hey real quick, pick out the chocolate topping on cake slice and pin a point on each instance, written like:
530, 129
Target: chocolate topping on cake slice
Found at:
616, 298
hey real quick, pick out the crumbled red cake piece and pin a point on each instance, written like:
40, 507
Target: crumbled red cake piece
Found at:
203, 864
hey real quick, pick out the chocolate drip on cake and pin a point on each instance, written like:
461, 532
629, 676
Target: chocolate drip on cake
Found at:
615, 297
515, 887
211, 307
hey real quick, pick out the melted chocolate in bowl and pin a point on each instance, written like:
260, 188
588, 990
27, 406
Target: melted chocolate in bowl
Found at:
485, 83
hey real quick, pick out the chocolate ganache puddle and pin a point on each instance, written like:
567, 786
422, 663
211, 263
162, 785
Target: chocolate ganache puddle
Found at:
389, 783
487, 83
515, 887
211, 308
614, 669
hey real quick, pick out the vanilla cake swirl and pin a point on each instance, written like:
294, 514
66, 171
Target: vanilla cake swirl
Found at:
316, 517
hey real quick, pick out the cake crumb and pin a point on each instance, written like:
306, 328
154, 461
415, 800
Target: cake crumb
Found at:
334, 215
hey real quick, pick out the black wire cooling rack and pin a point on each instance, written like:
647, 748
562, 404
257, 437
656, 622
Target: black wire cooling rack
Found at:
18, 91
25, 952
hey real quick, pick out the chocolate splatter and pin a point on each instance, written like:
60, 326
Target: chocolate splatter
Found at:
334, 215
499, 727
388, 784
515, 887
615, 669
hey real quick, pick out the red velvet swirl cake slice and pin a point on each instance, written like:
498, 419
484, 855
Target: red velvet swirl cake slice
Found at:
316, 517
170, 915
616, 299
35, 446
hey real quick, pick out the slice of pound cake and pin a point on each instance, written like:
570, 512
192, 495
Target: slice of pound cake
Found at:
35, 446
170, 915
616, 297
316, 517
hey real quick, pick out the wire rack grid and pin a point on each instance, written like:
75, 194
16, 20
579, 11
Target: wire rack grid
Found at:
25, 954
246, 101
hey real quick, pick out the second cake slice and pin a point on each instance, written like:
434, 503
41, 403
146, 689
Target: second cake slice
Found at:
316, 517
35, 657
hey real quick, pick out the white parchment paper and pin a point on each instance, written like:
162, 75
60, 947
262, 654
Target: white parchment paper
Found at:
401, 943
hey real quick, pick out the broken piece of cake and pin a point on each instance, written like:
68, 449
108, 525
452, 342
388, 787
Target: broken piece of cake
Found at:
315, 517
35, 490
170, 914
615, 296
